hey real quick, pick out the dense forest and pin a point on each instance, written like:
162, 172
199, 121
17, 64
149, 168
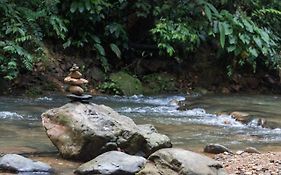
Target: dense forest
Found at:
192, 42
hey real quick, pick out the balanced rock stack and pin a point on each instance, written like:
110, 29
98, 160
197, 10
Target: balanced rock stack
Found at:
75, 82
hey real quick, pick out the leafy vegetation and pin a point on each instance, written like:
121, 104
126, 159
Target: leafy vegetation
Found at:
21, 34
239, 32
244, 32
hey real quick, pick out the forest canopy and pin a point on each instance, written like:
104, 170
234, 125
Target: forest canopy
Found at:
245, 32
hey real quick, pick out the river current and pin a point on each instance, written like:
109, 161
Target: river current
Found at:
205, 122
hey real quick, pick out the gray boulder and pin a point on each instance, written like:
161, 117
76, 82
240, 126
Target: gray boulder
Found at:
252, 150
172, 161
112, 163
154, 140
216, 149
83, 131
17, 163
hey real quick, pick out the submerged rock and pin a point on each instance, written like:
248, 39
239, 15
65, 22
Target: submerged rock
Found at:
172, 161
17, 163
216, 149
113, 162
83, 131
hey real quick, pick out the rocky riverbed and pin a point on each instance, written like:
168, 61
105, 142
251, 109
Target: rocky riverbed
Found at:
251, 163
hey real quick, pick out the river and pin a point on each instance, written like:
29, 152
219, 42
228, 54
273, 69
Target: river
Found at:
22, 132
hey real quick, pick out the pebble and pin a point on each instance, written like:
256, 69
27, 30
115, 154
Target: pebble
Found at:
239, 152
251, 163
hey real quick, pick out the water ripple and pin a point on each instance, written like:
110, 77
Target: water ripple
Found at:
10, 115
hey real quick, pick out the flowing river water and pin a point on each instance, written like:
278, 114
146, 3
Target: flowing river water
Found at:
22, 132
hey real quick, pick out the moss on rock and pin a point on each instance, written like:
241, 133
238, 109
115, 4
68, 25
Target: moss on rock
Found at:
128, 84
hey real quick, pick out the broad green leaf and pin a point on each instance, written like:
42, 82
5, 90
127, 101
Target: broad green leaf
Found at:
2, 43
258, 41
73, 7
67, 43
237, 51
227, 28
215, 26
115, 49
231, 48
232, 39
2, 58
264, 36
9, 48
96, 39
12, 65
253, 52
104, 63
9, 77
208, 13
249, 27
100, 49
222, 34
241, 62
88, 5
81, 7
244, 38
213, 8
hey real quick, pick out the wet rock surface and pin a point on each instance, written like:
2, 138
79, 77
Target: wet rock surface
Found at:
172, 161
154, 140
252, 150
242, 117
216, 149
251, 163
17, 163
83, 131
112, 163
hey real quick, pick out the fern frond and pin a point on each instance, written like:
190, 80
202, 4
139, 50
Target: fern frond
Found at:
267, 12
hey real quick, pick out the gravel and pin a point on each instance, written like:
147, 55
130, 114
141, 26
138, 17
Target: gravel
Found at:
251, 163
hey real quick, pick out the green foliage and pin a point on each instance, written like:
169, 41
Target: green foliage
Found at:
240, 36
21, 35
169, 34
247, 32
237, 27
109, 87
90, 25
159, 82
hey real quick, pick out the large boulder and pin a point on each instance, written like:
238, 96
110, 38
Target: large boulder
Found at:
112, 162
128, 84
17, 163
172, 161
83, 131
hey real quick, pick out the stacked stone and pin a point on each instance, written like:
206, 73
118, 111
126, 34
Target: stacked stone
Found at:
75, 81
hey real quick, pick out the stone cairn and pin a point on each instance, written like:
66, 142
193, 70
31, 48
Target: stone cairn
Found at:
76, 82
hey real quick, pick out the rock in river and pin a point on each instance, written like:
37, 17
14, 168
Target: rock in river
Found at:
112, 162
83, 131
172, 161
216, 149
242, 117
17, 163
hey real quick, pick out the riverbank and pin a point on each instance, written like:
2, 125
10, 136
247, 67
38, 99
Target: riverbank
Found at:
192, 129
268, 163
142, 76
